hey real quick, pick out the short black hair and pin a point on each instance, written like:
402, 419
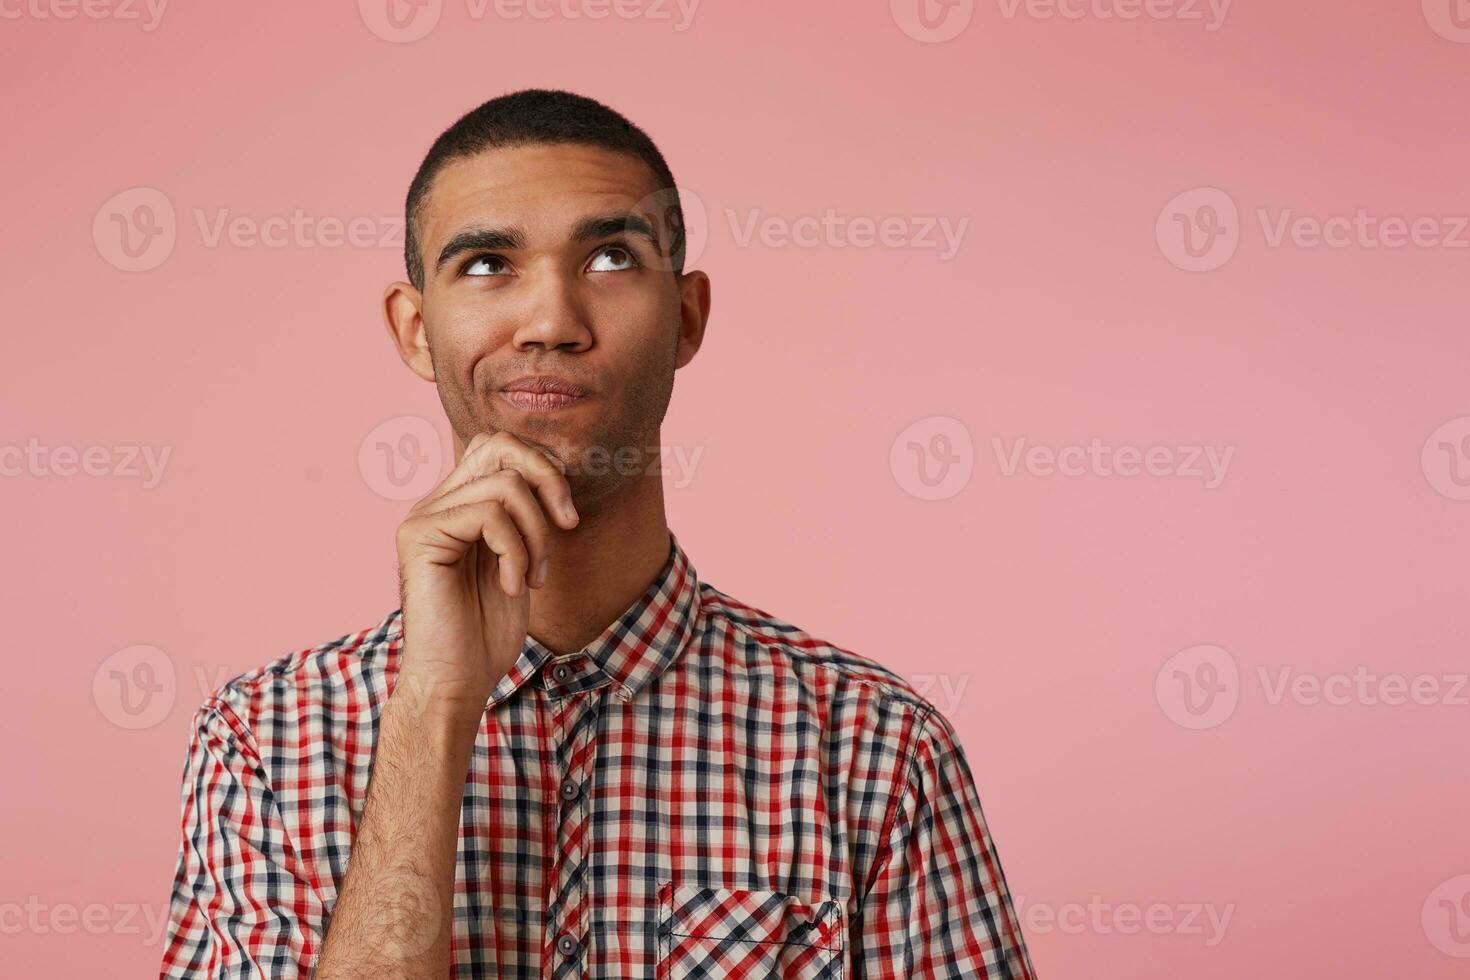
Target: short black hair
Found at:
528, 117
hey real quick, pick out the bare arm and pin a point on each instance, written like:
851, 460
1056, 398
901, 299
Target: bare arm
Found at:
466, 553
393, 916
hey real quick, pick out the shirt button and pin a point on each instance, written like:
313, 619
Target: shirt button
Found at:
569, 789
567, 944
560, 672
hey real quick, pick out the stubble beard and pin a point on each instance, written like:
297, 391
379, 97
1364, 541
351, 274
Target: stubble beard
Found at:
602, 459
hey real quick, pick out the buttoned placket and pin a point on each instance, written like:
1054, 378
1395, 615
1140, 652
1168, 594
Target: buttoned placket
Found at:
570, 695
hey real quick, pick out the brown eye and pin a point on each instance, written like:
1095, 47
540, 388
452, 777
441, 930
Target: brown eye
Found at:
612, 258
486, 265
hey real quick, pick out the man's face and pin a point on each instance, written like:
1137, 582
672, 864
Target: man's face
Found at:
534, 264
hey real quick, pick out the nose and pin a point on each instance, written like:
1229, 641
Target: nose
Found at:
553, 316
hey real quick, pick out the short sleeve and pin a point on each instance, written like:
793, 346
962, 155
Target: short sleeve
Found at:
938, 904
240, 905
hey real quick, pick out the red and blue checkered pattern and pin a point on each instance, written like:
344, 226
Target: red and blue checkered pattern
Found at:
702, 791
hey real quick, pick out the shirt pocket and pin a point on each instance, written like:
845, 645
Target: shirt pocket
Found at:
721, 932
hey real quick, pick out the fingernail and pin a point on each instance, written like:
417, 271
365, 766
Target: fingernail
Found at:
569, 512
541, 573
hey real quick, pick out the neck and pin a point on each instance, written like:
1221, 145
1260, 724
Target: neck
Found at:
600, 567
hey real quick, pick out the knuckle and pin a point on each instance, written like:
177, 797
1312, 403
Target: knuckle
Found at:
406, 536
511, 478
502, 441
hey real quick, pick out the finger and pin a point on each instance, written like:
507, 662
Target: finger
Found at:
510, 488
460, 472
503, 451
444, 537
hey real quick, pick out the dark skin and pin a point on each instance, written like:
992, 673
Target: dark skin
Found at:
539, 259
605, 311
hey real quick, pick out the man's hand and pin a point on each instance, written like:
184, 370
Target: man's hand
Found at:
468, 555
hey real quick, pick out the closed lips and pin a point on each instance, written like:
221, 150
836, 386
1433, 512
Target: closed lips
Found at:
543, 393
543, 384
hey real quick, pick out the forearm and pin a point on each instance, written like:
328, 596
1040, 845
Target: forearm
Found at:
394, 915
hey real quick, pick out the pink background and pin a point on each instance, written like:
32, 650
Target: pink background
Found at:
1041, 610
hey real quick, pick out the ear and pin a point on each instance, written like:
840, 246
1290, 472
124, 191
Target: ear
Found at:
694, 298
403, 315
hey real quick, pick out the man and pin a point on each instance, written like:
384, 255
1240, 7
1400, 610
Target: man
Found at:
565, 755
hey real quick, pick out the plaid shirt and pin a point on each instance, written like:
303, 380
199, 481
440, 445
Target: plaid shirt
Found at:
702, 791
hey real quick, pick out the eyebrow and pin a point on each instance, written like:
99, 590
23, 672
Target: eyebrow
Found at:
612, 225
481, 240
514, 237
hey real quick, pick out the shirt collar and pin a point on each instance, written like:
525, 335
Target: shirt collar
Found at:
631, 652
